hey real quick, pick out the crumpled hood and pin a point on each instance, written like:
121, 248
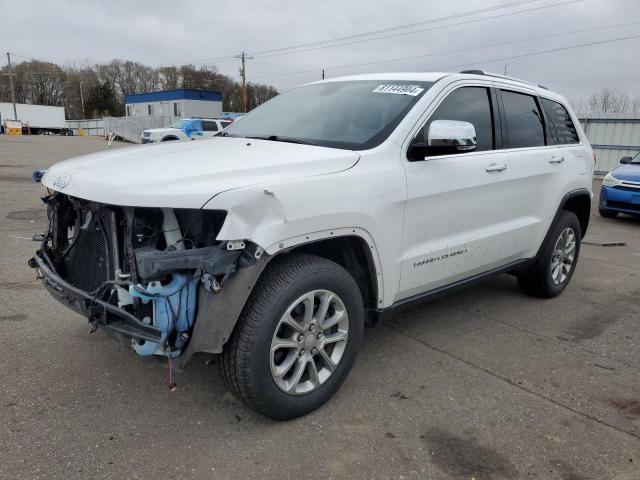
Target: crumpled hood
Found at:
630, 172
188, 174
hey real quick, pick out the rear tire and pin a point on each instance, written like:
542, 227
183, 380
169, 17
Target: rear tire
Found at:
277, 333
607, 213
557, 260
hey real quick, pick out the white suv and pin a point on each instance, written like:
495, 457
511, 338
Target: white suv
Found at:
322, 209
186, 129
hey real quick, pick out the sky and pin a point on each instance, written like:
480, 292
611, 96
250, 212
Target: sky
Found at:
448, 35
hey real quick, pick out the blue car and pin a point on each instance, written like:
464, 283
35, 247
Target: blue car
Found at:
620, 191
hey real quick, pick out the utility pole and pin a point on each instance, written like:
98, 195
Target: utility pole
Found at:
82, 101
13, 93
243, 72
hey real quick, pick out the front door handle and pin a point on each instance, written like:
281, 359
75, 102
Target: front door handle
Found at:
496, 167
556, 160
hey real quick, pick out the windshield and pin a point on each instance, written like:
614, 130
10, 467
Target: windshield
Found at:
179, 124
353, 115
636, 159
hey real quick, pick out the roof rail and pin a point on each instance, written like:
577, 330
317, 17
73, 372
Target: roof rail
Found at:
489, 74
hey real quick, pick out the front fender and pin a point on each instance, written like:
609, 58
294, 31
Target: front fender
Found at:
366, 201
281, 218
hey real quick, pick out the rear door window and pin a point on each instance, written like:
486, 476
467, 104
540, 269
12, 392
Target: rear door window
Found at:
525, 127
561, 129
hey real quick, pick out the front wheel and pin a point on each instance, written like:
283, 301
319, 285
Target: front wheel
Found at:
297, 338
556, 262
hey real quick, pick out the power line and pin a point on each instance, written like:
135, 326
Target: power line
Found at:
201, 60
26, 58
439, 27
271, 65
541, 52
398, 27
530, 54
458, 50
317, 45
335, 42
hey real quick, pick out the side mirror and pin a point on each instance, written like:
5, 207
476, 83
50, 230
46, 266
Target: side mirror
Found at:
625, 160
459, 136
443, 137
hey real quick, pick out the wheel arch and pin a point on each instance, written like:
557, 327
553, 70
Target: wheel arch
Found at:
354, 254
167, 138
578, 202
218, 314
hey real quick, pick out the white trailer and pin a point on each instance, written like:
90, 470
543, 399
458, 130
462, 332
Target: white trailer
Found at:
38, 118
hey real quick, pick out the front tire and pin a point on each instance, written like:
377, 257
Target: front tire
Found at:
297, 338
556, 262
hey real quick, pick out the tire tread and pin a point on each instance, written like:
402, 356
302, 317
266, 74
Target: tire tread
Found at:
534, 281
279, 275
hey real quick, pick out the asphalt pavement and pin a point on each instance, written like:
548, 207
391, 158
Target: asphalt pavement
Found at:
485, 383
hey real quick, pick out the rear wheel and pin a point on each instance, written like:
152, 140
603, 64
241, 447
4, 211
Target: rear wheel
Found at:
297, 338
554, 267
607, 213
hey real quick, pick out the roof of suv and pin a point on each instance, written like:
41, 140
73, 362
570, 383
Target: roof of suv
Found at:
410, 76
435, 76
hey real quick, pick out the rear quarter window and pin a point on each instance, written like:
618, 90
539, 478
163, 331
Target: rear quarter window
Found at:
562, 130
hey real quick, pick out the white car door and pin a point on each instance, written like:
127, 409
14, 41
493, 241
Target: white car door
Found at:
536, 167
459, 217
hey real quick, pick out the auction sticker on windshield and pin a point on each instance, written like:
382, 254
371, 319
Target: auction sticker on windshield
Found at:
413, 90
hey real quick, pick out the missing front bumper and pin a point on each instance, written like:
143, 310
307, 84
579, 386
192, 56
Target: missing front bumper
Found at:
108, 316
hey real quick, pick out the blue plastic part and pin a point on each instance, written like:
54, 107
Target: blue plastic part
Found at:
174, 309
192, 127
37, 175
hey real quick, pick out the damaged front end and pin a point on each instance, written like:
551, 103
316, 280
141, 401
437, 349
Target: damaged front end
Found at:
138, 272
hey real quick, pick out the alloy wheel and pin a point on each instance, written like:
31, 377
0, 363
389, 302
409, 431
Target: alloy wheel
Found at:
563, 256
309, 342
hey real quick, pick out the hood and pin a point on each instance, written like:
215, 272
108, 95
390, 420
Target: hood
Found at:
629, 172
188, 174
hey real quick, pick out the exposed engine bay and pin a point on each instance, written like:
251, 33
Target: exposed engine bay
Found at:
137, 272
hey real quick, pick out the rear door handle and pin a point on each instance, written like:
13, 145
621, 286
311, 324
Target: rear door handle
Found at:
496, 167
556, 160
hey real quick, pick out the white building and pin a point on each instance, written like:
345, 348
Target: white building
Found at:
174, 103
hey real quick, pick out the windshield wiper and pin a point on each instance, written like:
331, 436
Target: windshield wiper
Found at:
277, 138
